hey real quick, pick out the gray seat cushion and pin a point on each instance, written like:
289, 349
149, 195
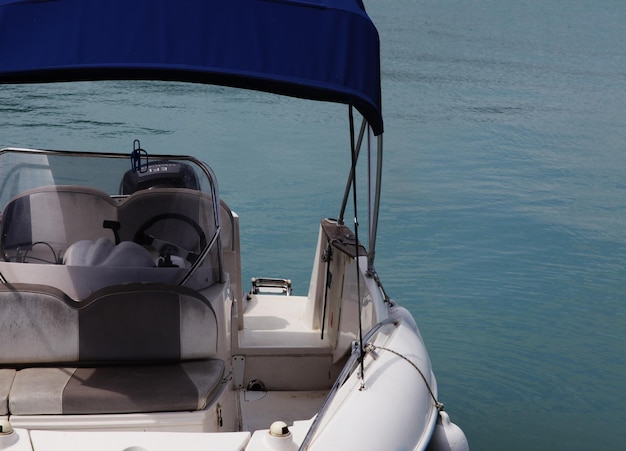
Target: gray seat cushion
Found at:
6, 379
183, 386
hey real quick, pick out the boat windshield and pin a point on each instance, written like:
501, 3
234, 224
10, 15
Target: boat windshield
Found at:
158, 216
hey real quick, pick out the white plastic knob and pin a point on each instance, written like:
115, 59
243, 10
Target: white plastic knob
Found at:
5, 427
279, 429
8, 437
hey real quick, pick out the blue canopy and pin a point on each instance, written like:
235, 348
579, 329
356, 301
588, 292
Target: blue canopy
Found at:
316, 49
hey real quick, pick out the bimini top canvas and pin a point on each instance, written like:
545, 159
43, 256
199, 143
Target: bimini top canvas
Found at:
317, 49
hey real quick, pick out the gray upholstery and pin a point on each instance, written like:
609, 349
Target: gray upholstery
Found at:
6, 379
40, 224
115, 389
57, 216
146, 322
111, 331
128, 348
37, 325
138, 347
39, 391
133, 322
142, 206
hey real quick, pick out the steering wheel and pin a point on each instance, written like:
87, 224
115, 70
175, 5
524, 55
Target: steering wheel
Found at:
143, 238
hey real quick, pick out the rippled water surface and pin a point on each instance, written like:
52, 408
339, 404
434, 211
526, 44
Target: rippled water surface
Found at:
503, 222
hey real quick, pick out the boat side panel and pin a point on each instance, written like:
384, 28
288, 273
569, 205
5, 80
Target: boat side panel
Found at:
394, 409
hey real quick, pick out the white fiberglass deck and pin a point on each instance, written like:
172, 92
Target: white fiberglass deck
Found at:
260, 409
275, 321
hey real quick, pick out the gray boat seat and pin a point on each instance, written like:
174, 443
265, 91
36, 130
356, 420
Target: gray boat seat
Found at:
129, 348
39, 224
181, 216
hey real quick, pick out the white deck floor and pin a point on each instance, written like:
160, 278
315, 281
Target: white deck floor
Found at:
274, 321
260, 409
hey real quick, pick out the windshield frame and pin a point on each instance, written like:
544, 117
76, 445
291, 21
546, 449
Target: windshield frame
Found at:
23, 170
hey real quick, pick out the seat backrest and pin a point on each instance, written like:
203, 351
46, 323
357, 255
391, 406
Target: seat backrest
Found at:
144, 206
43, 222
38, 324
146, 322
126, 323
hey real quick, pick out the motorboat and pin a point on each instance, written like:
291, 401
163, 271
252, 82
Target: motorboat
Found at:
124, 320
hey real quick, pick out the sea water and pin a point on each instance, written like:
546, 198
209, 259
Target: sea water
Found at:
503, 223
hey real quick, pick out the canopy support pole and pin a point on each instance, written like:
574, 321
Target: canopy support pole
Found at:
357, 149
375, 179
354, 152
375, 207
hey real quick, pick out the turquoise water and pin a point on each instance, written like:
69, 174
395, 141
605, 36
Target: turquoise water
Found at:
503, 222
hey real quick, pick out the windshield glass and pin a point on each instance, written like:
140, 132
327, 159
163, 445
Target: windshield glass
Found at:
21, 170
96, 210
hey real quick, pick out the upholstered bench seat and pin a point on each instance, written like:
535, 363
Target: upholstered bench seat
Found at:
115, 389
125, 349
